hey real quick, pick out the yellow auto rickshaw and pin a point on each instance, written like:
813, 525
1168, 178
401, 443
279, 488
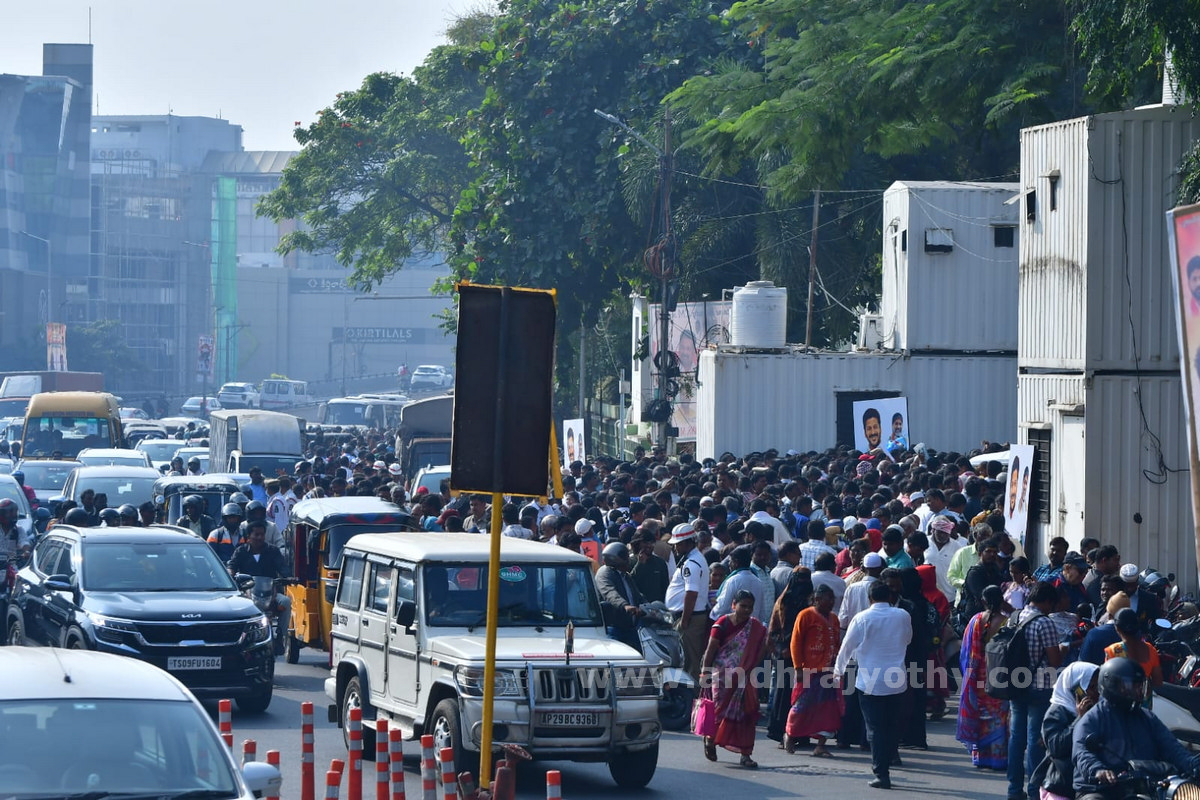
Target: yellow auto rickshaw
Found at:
318, 530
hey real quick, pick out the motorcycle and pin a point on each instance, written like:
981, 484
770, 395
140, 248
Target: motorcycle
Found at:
264, 591
662, 647
1146, 780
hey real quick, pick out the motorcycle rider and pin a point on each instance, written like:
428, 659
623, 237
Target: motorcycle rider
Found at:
619, 596
110, 518
13, 542
254, 512
19, 477
258, 558
194, 518
193, 466
129, 516
225, 539
78, 518
1119, 730
177, 467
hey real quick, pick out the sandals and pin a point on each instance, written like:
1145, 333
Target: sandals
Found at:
710, 749
748, 762
821, 752
789, 744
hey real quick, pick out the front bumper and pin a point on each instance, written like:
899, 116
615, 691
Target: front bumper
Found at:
633, 725
243, 671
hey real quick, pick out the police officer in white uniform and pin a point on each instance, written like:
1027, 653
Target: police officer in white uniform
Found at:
687, 596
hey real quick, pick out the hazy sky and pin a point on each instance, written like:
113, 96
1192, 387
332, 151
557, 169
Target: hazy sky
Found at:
262, 64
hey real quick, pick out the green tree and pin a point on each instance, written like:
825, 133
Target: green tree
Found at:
101, 347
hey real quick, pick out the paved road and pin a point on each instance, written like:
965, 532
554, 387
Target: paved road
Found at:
944, 771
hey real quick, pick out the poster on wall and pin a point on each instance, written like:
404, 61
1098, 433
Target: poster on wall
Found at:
1016, 491
883, 423
1183, 235
573, 446
204, 358
56, 347
694, 326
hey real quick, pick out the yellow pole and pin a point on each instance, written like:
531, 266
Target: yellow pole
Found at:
489, 666
555, 464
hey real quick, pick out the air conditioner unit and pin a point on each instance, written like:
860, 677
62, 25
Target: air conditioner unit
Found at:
870, 332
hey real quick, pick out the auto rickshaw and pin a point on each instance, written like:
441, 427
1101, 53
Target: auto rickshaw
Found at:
317, 532
170, 491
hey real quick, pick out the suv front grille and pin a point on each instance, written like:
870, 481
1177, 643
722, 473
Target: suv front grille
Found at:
571, 685
208, 632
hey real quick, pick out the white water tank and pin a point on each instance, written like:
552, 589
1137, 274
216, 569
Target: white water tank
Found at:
759, 316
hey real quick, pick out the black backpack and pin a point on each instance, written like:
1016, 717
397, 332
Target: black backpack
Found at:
1006, 658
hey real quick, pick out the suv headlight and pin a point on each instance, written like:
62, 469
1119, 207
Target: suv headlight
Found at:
258, 630
638, 681
470, 682
108, 629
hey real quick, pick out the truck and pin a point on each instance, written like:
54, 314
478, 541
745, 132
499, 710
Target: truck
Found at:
425, 431
16, 388
363, 412
243, 438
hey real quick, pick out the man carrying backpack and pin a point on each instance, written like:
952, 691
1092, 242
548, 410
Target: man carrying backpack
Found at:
1029, 705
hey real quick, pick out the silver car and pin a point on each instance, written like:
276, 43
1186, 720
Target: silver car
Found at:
80, 723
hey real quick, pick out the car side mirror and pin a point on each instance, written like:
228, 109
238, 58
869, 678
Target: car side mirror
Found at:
406, 614
59, 583
262, 779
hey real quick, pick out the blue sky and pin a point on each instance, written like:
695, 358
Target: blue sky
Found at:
262, 64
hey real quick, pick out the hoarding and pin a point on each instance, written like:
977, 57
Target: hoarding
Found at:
881, 422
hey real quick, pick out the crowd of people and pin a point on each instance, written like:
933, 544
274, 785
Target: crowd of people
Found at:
831, 593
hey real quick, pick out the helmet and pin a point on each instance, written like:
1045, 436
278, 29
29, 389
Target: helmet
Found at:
615, 553
1151, 581
127, 511
253, 507
9, 510
231, 510
110, 517
193, 500
78, 517
1122, 683
239, 498
18, 476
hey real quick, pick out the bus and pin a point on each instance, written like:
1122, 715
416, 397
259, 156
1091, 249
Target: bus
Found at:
60, 424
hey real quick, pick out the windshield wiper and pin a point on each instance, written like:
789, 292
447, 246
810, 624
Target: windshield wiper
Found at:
501, 610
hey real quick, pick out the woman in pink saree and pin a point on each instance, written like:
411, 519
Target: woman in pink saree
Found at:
735, 650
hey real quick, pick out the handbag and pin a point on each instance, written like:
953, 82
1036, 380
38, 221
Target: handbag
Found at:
704, 717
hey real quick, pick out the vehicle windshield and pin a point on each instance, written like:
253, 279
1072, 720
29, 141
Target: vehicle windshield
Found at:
9, 490
432, 480
47, 437
160, 449
213, 502
119, 490
346, 414
545, 595
271, 466
10, 407
159, 748
340, 534
190, 566
43, 476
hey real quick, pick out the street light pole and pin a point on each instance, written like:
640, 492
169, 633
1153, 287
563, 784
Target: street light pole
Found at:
49, 273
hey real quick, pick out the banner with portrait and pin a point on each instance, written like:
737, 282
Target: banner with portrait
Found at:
881, 422
573, 446
205, 350
1183, 235
56, 347
694, 326
1016, 491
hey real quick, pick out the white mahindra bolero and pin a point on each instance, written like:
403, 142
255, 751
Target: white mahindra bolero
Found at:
408, 646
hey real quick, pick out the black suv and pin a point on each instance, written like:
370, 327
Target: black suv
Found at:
154, 594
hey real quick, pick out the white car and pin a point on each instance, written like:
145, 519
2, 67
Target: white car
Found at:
431, 376
200, 406
99, 456
160, 451
132, 413
188, 453
239, 395
130, 729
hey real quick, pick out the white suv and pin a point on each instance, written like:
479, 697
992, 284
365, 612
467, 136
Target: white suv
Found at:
408, 646
239, 395
430, 376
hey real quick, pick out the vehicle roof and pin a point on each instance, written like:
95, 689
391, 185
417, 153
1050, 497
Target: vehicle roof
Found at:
48, 463
315, 510
111, 451
237, 383
430, 366
42, 672
166, 534
200, 482
460, 546
115, 471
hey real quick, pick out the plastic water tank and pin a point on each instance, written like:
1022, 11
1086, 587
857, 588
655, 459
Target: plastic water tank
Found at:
759, 316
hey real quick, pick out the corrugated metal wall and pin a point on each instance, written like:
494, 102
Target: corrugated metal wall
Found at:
1135, 157
975, 274
1035, 394
1053, 245
1125, 477
753, 401
893, 300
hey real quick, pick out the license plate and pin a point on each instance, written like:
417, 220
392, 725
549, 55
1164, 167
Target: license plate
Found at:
569, 719
194, 662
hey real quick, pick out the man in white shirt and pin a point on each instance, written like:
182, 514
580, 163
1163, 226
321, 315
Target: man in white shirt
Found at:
935, 504
789, 559
738, 579
814, 544
877, 640
687, 596
824, 575
779, 531
941, 552
857, 596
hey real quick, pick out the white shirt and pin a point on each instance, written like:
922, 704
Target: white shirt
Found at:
740, 579
690, 576
811, 550
855, 600
940, 561
781, 532
517, 531
781, 575
877, 639
924, 514
823, 578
